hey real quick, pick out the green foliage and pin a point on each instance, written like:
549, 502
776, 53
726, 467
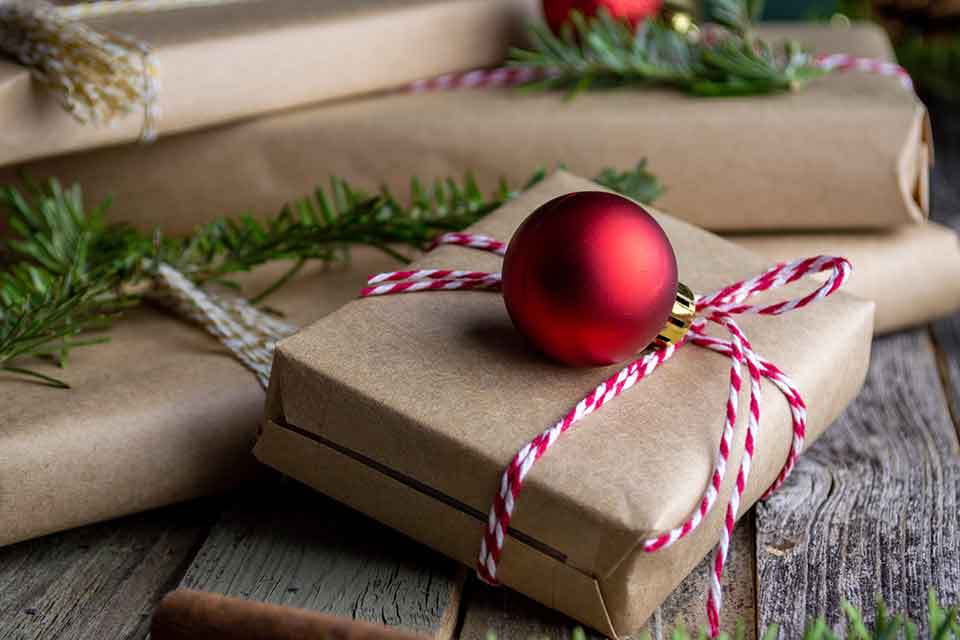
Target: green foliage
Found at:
933, 62
606, 52
64, 275
636, 183
67, 273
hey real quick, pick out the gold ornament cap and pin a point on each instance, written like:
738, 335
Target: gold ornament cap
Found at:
681, 317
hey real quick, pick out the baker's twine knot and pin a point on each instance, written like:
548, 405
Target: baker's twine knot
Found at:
97, 76
719, 308
249, 334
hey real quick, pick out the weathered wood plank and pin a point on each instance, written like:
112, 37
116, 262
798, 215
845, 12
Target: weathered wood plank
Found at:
510, 615
873, 507
286, 544
100, 581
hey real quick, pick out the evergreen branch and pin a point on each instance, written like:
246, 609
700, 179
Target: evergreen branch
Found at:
604, 51
67, 273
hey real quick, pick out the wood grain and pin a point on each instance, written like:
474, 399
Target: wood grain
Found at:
286, 544
510, 615
873, 506
100, 581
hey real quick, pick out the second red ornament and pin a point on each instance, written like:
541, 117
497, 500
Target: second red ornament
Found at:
558, 12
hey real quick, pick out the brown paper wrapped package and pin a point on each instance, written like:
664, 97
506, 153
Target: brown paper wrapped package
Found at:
851, 150
232, 60
158, 415
912, 273
408, 407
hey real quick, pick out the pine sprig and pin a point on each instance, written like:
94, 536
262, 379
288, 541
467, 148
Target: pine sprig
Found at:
68, 273
607, 52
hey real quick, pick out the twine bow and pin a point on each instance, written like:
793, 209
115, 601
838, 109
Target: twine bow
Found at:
719, 308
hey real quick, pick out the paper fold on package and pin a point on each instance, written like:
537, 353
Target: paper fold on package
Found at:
223, 61
851, 150
160, 414
408, 407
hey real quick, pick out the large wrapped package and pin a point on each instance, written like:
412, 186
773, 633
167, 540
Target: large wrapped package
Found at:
851, 150
161, 413
222, 60
409, 407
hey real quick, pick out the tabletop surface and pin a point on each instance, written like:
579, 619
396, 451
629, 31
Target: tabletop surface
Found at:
872, 508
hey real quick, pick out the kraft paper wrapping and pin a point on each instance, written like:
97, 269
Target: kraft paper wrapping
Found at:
408, 407
160, 414
912, 273
850, 150
232, 60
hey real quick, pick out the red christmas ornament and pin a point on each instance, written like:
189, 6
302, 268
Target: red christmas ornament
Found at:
634, 11
590, 278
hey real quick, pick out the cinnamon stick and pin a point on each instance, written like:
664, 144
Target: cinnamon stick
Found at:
189, 615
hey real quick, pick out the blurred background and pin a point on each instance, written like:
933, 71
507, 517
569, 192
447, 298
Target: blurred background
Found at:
926, 34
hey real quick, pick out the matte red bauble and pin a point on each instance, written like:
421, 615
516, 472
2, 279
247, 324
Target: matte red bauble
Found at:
556, 12
590, 278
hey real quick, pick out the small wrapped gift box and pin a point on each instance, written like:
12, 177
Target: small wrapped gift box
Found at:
216, 62
160, 414
409, 407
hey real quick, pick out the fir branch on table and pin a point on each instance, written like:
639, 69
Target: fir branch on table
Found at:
66, 273
606, 52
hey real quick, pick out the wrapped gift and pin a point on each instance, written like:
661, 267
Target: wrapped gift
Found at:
409, 407
224, 60
912, 273
850, 150
161, 413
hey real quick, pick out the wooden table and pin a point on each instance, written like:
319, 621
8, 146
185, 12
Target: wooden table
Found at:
872, 508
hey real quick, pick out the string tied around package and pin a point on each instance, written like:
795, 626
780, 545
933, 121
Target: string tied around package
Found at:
719, 308
96, 76
513, 76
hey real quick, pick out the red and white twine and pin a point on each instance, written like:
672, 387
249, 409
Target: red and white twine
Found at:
503, 77
719, 308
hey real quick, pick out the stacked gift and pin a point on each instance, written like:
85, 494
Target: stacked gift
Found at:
161, 413
838, 167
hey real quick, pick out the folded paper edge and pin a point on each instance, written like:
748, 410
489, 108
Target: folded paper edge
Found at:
914, 164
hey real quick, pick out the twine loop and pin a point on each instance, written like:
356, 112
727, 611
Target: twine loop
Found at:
719, 308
